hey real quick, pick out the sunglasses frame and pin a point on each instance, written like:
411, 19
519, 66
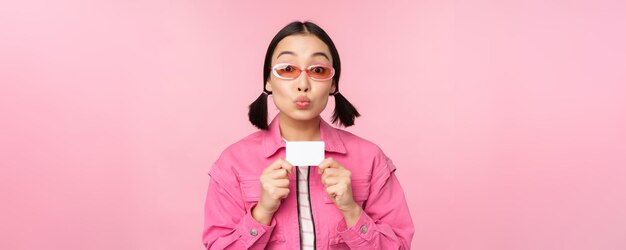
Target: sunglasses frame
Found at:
275, 73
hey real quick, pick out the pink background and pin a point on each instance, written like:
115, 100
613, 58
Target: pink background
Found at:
506, 119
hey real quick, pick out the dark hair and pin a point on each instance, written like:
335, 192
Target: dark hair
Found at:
344, 112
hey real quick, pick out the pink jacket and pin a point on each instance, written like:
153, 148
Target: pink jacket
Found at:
234, 189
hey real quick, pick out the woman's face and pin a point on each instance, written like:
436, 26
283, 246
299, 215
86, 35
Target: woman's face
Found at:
302, 98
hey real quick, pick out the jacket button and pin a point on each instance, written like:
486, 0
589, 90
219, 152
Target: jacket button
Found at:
363, 229
253, 232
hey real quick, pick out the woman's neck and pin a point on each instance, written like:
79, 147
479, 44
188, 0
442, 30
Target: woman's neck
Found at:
295, 130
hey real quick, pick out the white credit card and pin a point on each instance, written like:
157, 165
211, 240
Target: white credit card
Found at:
305, 153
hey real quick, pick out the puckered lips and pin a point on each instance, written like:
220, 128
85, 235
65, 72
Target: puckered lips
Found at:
302, 102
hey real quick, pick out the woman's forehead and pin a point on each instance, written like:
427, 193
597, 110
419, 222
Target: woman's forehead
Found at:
303, 46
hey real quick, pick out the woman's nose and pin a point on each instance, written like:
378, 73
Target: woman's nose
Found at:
303, 82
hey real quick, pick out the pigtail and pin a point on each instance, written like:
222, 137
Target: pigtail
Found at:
345, 112
257, 113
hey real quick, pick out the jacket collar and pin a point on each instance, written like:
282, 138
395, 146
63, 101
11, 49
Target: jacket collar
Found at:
273, 141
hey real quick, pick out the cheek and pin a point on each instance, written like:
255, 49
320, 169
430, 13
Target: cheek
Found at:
323, 91
280, 95
322, 101
283, 89
278, 88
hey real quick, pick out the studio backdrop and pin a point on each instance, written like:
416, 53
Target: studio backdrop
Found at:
506, 120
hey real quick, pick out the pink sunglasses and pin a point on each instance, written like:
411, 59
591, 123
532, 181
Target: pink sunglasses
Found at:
289, 71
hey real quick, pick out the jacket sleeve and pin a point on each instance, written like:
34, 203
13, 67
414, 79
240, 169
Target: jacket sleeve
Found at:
227, 224
385, 222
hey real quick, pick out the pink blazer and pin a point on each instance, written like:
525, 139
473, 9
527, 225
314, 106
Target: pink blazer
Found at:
234, 189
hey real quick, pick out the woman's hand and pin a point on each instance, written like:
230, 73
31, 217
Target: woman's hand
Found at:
274, 188
337, 181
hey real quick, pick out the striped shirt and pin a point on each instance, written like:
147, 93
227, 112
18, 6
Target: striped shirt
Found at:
305, 215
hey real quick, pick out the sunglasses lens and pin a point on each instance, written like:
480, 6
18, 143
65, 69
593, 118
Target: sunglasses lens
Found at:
287, 71
321, 72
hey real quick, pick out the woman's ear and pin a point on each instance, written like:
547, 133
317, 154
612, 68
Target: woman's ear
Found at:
268, 86
333, 88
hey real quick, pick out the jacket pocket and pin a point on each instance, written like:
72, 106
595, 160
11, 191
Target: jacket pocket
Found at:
360, 190
277, 240
336, 242
250, 188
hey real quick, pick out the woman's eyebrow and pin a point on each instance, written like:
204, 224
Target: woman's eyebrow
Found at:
314, 54
321, 54
285, 52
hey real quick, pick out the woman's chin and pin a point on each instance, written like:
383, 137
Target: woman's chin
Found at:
302, 115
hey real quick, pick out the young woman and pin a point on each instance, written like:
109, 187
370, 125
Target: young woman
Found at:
258, 200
